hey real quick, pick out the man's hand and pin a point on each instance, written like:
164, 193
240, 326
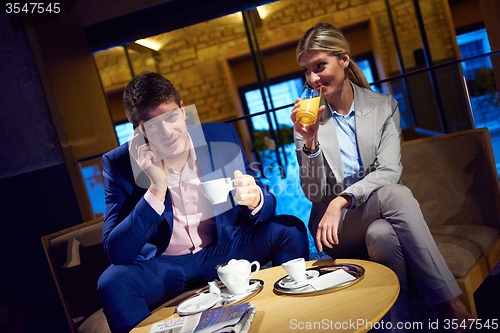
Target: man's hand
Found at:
247, 192
327, 232
152, 166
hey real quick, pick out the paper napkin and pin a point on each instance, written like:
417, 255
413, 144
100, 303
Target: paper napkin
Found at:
332, 279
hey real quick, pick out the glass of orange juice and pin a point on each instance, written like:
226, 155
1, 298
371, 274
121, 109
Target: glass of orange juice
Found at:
309, 105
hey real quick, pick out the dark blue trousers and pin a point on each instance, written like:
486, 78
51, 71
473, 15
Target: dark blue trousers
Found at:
128, 291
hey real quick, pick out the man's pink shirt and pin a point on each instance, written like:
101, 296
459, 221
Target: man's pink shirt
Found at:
194, 221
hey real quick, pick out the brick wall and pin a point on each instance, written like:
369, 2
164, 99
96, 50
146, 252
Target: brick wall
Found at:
193, 57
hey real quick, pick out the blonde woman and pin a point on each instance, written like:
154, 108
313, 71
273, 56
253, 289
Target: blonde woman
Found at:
350, 168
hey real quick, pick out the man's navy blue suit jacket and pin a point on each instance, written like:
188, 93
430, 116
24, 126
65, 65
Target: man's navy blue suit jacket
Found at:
132, 228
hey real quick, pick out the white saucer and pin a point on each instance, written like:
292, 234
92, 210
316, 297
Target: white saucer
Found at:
200, 302
226, 295
288, 283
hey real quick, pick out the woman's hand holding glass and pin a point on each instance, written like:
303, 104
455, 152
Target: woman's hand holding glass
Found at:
309, 132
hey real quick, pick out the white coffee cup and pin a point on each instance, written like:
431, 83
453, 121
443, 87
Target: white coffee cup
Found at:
296, 269
236, 275
217, 190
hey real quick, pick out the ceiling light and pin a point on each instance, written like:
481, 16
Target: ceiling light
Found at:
149, 44
263, 11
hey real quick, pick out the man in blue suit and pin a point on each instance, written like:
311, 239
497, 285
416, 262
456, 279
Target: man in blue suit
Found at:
161, 234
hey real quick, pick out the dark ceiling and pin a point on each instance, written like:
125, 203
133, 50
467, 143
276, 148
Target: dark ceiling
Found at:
88, 12
117, 22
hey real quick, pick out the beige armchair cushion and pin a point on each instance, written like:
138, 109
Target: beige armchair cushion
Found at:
463, 245
96, 323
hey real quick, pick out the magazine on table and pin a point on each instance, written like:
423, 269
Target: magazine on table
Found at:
230, 319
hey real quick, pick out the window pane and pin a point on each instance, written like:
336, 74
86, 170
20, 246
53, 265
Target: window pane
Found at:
483, 94
472, 44
365, 67
283, 93
124, 132
94, 182
255, 104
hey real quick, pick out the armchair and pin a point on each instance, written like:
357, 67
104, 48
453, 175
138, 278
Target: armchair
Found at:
454, 178
76, 261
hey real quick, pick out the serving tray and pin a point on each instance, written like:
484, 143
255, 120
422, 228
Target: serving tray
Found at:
225, 298
356, 271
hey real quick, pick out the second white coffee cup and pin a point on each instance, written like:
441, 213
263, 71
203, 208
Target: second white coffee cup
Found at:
296, 268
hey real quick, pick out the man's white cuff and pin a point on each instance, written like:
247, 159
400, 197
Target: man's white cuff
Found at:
259, 207
154, 202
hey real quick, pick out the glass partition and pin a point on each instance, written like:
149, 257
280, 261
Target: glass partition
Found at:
468, 93
289, 196
217, 65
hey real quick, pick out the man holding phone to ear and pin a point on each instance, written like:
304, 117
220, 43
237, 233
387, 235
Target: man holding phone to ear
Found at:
161, 234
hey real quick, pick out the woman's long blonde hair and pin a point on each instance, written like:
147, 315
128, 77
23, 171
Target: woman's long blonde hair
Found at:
325, 37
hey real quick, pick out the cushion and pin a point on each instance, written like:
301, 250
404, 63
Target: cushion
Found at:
463, 245
451, 178
96, 323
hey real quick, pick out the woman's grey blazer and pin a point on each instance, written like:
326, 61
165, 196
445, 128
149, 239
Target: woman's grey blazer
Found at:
378, 138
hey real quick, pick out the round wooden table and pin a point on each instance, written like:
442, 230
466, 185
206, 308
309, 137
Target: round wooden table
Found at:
352, 309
